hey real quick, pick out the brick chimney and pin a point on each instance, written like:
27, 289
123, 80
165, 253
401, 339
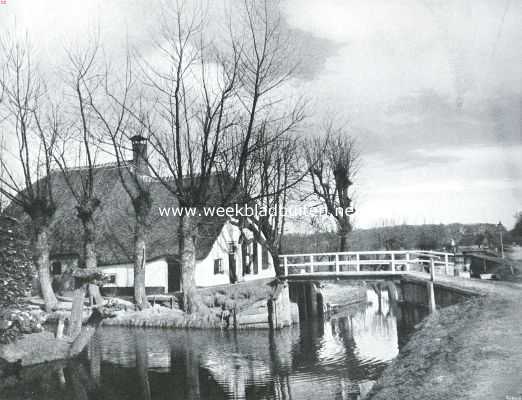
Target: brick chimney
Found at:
139, 155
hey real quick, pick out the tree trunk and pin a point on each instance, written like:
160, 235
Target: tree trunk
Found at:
77, 311
41, 259
274, 253
344, 231
187, 236
343, 241
86, 333
90, 260
140, 248
89, 243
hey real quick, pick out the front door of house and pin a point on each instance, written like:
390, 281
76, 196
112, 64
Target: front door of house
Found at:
232, 267
174, 270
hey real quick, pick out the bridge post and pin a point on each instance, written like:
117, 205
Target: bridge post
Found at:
393, 262
432, 269
358, 258
311, 263
431, 297
285, 265
446, 264
336, 263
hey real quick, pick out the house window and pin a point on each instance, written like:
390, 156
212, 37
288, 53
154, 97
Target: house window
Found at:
265, 256
232, 248
111, 278
56, 268
218, 266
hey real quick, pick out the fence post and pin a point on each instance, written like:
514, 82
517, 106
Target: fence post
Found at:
285, 265
337, 263
311, 263
446, 264
393, 262
358, 260
431, 289
407, 261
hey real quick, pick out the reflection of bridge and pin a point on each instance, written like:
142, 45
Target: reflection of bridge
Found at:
365, 264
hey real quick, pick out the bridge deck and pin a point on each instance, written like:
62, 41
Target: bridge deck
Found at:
362, 275
366, 265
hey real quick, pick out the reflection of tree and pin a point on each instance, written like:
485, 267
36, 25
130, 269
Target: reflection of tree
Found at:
82, 384
95, 357
280, 372
185, 367
345, 332
393, 299
345, 328
142, 364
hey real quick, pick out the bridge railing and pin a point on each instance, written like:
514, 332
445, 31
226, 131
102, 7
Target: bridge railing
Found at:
367, 261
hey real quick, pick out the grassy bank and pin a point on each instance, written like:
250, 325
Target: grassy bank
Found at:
162, 317
239, 297
468, 351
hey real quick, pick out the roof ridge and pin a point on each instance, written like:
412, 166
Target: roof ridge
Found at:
96, 166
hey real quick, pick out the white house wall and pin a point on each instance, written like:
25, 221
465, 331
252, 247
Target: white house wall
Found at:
205, 268
156, 274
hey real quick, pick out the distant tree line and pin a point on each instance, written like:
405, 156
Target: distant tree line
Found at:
401, 237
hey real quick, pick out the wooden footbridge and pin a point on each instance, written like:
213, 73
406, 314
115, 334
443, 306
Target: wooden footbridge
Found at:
366, 264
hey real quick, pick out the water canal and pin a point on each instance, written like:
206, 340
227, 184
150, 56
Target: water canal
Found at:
335, 359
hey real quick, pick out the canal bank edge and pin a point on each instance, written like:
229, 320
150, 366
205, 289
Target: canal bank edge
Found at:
471, 350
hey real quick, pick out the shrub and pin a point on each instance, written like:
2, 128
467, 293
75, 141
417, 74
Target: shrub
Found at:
15, 280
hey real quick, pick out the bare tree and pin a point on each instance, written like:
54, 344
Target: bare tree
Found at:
273, 171
22, 105
195, 118
136, 181
333, 162
113, 114
209, 102
76, 131
75, 125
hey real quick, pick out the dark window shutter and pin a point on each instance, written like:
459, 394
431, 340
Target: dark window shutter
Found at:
244, 258
218, 266
255, 260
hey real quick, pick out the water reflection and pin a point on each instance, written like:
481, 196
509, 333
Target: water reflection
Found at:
335, 359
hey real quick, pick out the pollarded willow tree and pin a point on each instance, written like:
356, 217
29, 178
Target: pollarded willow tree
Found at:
76, 127
333, 160
135, 179
209, 101
26, 179
78, 143
273, 172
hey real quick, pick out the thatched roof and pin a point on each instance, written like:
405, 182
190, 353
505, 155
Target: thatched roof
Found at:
115, 219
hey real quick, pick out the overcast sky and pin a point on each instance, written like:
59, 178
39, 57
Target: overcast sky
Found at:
432, 89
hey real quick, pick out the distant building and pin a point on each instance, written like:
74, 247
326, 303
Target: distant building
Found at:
480, 261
